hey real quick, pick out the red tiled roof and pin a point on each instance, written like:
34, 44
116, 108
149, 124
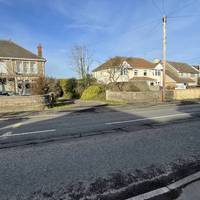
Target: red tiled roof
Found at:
133, 62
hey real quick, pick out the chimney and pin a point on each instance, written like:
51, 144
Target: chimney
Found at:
39, 47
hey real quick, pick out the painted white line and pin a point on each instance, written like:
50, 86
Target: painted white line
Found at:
26, 133
148, 118
16, 125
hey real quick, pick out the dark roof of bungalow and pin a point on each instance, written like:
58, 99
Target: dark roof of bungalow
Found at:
183, 67
138, 63
9, 49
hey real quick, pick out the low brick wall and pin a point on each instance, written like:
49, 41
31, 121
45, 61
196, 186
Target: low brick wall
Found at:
186, 94
134, 97
21, 103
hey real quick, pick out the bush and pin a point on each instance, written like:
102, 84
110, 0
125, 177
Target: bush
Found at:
52, 85
38, 86
94, 92
69, 87
123, 86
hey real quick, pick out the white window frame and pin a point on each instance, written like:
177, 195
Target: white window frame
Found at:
135, 72
19, 69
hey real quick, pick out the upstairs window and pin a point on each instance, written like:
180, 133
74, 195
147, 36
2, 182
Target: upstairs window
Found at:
3, 69
124, 71
26, 67
145, 72
33, 68
135, 72
19, 67
157, 72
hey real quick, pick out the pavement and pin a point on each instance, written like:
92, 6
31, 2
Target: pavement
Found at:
190, 192
103, 140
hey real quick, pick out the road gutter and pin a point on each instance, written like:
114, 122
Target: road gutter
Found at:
160, 192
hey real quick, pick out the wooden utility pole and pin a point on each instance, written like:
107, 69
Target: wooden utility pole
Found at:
164, 57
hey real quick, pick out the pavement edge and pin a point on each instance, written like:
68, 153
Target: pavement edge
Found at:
167, 189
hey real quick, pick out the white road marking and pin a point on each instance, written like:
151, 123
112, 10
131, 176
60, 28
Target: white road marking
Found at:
17, 125
8, 134
148, 118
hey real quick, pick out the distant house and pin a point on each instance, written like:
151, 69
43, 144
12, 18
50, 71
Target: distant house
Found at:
19, 67
124, 69
180, 75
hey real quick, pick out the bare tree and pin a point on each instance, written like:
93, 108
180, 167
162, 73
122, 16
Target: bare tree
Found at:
81, 61
117, 72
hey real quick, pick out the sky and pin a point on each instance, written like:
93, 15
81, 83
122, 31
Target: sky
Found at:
107, 28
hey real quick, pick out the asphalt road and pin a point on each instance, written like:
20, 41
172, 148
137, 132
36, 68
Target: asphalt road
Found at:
91, 121
128, 139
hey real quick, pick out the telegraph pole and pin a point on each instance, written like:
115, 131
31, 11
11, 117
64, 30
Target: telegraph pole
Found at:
164, 19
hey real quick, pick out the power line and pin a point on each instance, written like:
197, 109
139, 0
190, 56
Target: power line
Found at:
136, 28
157, 7
184, 16
181, 8
163, 6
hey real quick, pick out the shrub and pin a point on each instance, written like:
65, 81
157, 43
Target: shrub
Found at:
94, 92
38, 86
123, 86
69, 87
53, 86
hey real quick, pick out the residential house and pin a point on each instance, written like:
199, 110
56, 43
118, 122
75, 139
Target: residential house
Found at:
19, 68
180, 75
124, 69
198, 68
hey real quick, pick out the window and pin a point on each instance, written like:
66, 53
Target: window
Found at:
26, 67
19, 67
157, 72
3, 69
145, 72
124, 71
33, 68
135, 72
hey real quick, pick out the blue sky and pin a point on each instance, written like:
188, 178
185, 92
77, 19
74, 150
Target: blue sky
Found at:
107, 27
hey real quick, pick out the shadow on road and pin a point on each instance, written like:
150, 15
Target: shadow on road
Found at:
109, 121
